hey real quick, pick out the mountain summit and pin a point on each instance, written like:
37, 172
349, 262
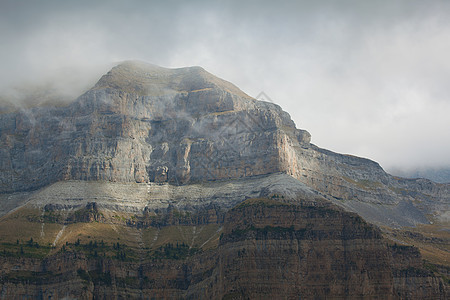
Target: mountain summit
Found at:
147, 79
155, 157
143, 123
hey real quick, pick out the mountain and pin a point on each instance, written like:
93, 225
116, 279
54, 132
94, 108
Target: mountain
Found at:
175, 183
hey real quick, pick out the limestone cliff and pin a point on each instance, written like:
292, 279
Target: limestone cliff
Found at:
142, 123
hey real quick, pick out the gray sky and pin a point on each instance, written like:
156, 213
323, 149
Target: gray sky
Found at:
369, 78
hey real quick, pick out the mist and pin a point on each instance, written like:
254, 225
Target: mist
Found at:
364, 78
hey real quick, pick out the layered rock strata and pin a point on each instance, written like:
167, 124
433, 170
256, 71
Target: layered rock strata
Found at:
267, 248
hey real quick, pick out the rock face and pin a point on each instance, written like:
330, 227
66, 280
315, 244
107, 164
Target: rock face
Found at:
411, 279
327, 253
143, 123
165, 161
267, 249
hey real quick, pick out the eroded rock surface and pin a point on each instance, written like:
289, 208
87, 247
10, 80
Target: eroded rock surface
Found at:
142, 123
267, 248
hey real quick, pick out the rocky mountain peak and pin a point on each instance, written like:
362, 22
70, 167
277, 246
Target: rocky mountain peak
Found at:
149, 79
144, 123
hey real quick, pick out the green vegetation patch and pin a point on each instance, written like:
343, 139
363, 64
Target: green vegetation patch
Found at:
171, 251
29, 249
101, 249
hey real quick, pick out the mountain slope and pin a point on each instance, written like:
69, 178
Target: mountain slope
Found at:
150, 158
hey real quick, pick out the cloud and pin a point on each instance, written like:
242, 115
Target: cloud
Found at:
368, 78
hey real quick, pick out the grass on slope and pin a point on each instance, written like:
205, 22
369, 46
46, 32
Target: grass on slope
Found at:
204, 236
433, 241
23, 224
50, 235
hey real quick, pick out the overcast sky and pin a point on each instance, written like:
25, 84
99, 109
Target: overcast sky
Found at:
369, 78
